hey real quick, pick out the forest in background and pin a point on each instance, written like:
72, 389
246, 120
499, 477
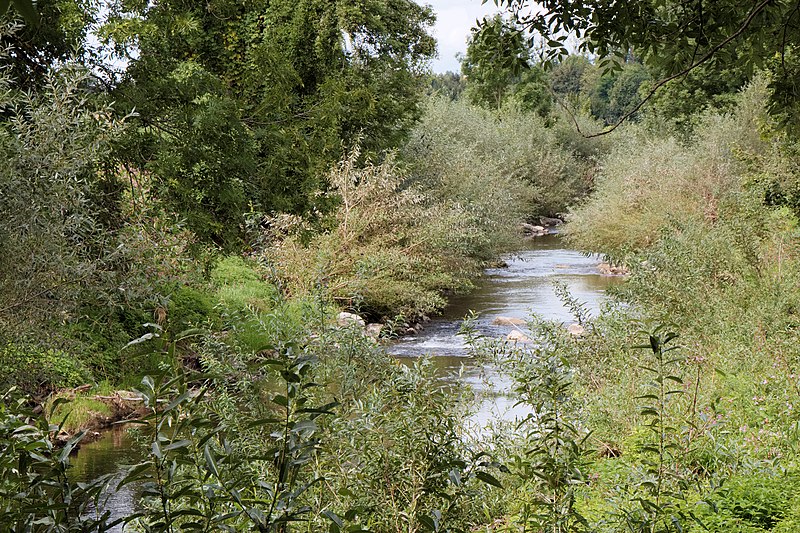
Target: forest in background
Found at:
195, 198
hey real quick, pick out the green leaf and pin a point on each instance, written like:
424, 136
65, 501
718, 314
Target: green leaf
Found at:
211, 464
177, 445
489, 479
336, 523
429, 523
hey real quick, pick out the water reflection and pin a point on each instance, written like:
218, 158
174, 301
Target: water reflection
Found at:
115, 448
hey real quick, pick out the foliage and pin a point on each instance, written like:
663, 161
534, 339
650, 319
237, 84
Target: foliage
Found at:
75, 413
553, 459
195, 480
36, 494
707, 88
247, 105
671, 38
614, 94
391, 250
448, 85
56, 246
36, 370
663, 485
566, 77
501, 166
496, 58
54, 31
650, 184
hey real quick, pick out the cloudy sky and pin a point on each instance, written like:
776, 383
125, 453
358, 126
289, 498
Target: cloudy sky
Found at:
454, 18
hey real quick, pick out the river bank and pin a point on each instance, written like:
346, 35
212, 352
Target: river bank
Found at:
524, 285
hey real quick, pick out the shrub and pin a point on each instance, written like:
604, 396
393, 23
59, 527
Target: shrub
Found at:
388, 252
649, 184
37, 370
502, 166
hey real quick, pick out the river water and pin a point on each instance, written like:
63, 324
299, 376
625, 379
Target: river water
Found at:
524, 286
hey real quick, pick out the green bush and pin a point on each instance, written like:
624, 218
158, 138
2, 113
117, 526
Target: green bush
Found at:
749, 504
239, 285
650, 184
190, 307
37, 370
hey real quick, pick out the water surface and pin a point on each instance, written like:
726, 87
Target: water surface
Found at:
524, 287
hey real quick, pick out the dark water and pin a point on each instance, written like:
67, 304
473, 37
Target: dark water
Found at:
107, 455
525, 286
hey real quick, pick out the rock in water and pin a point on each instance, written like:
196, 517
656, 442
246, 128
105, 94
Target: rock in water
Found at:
548, 221
374, 330
607, 269
535, 231
345, 319
517, 336
576, 330
508, 321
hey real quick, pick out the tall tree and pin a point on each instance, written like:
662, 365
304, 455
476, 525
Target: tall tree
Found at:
245, 104
54, 31
497, 56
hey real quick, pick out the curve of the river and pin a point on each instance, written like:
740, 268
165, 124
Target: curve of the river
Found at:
525, 286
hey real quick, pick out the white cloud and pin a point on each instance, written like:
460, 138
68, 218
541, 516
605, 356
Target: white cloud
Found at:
454, 18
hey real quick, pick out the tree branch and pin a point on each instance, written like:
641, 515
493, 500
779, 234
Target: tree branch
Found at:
660, 83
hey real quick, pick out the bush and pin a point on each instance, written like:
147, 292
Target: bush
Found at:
649, 184
502, 166
36, 370
390, 250
749, 503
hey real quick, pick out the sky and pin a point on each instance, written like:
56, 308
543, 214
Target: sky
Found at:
454, 18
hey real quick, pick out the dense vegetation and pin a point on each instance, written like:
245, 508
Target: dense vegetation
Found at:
185, 208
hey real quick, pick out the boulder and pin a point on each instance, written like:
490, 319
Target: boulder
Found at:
517, 336
374, 330
345, 319
607, 269
508, 321
530, 229
576, 329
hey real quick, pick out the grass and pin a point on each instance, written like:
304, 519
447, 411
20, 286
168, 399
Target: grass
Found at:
79, 412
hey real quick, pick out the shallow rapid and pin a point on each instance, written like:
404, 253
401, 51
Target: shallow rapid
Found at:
524, 287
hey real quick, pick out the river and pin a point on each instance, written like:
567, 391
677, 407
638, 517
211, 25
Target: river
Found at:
524, 286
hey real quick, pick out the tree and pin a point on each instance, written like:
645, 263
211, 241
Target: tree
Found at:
615, 93
497, 56
673, 37
245, 105
449, 85
566, 76
25, 8
53, 193
54, 31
